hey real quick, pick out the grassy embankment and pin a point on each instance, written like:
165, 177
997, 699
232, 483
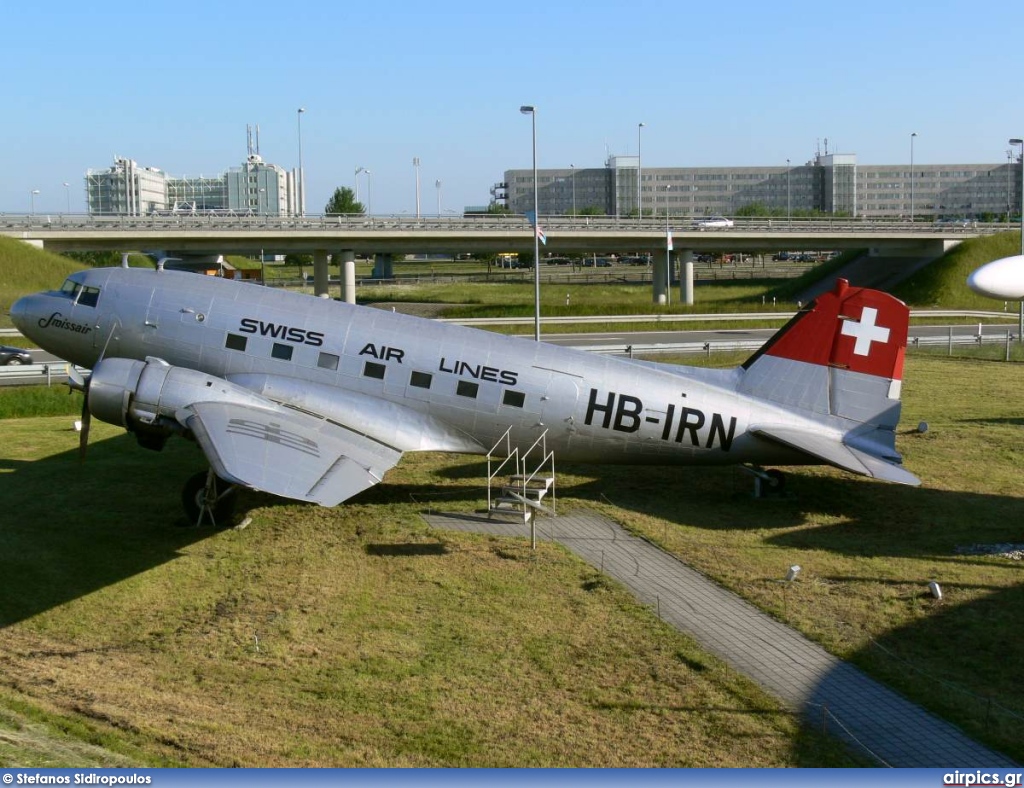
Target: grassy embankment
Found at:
346, 636
357, 635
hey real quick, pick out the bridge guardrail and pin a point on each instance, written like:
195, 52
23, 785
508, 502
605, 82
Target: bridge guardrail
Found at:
673, 318
28, 374
482, 223
47, 374
721, 345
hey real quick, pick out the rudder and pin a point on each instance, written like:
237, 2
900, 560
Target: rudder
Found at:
841, 356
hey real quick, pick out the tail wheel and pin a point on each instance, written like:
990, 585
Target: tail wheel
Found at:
207, 496
776, 483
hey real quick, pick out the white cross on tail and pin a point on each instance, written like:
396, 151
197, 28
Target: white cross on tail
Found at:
865, 331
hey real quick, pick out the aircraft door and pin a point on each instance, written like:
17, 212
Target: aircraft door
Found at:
558, 407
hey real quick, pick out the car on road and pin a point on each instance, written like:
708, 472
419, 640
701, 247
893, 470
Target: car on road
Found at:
712, 223
954, 222
13, 356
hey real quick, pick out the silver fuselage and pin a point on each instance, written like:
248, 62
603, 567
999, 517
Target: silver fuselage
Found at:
373, 370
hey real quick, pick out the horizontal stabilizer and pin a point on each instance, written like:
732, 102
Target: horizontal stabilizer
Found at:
829, 450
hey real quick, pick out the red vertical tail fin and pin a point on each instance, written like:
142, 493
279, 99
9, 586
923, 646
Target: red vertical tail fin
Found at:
851, 328
838, 362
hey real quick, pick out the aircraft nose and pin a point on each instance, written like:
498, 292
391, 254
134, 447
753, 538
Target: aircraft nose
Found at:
20, 312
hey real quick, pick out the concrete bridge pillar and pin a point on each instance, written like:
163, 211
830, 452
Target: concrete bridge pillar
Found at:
320, 278
686, 277
382, 266
347, 272
659, 279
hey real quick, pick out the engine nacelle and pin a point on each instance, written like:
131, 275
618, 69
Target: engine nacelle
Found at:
151, 397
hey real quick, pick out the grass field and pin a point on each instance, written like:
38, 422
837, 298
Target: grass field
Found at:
348, 636
358, 636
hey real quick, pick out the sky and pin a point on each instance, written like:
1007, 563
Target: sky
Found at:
173, 85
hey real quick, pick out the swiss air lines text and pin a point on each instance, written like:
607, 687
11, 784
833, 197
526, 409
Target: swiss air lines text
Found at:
625, 413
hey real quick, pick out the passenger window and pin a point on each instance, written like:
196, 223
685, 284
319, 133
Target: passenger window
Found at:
327, 361
514, 399
420, 380
467, 389
371, 369
235, 342
282, 351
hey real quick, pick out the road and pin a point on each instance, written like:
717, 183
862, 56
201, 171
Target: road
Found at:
584, 340
741, 339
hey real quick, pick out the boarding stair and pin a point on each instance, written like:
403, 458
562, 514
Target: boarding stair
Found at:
521, 481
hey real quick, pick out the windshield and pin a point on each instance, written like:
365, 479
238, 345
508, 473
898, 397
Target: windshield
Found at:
84, 295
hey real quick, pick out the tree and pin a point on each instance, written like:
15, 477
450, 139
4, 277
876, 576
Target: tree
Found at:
495, 207
96, 259
343, 201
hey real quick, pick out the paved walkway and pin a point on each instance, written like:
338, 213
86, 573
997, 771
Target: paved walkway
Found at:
801, 673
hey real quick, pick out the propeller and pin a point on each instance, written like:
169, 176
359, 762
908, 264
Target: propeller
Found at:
76, 382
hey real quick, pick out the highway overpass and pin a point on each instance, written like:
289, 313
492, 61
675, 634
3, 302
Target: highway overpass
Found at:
205, 234
385, 236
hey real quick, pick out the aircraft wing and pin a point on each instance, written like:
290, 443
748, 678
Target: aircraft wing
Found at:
287, 452
829, 450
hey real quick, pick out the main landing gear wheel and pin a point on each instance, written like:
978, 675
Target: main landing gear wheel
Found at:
776, 483
768, 483
207, 496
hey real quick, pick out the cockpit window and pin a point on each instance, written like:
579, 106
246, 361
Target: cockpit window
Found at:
89, 296
86, 296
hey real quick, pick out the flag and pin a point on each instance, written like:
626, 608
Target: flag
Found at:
531, 216
668, 233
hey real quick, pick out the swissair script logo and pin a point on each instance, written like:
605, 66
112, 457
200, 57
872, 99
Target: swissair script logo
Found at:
865, 331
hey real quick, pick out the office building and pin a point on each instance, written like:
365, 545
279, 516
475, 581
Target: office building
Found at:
831, 184
255, 188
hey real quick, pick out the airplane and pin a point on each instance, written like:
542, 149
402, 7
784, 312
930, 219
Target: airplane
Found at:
315, 400
1002, 278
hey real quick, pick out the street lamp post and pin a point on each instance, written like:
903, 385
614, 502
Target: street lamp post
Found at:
572, 168
416, 164
913, 134
789, 200
302, 178
639, 175
668, 252
67, 194
437, 185
369, 188
1009, 185
32, 197
532, 112
1017, 141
